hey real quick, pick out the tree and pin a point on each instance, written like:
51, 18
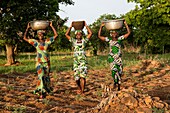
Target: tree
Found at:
151, 25
15, 14
61, 42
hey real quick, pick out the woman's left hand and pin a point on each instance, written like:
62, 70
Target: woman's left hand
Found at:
51, 23
125, 22
85, 24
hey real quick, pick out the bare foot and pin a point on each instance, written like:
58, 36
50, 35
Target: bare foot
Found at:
7, 64
83, 94
79, 92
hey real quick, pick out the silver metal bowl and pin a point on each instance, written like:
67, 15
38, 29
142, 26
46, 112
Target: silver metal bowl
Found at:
39, 24
114, 24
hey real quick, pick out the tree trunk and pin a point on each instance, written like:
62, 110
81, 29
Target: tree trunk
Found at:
10, 54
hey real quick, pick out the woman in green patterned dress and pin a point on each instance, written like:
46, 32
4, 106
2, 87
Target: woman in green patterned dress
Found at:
114, 57
79, 65
42, 59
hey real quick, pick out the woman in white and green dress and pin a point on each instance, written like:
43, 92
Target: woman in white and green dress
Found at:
114, 57
79, 65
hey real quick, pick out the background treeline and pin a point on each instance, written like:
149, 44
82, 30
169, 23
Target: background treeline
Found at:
149, 23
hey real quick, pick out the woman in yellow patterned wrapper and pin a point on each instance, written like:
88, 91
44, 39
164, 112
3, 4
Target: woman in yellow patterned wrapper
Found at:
114, 57
42, 59
79, 65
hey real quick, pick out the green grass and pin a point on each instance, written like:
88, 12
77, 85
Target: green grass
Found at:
156, 110
64, 62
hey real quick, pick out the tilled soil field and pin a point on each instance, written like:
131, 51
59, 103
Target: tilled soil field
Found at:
149, 80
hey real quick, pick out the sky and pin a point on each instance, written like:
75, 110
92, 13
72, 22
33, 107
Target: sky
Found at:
91, 10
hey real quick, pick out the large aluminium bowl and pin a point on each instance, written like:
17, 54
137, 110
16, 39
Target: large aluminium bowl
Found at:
78, 25
39, 24
114, 24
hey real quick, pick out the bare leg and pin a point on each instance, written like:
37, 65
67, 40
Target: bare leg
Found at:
79, 86
114, 86
82, 84
118, 87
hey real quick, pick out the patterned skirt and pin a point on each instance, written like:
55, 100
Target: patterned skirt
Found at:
80, 66
43, 84
116, 68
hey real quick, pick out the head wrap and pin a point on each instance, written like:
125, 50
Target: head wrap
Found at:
40, 31
78, 31
113, 31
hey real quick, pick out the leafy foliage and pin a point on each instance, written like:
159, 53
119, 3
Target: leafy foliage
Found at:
61, 42
15, 14
95, 42
151, 25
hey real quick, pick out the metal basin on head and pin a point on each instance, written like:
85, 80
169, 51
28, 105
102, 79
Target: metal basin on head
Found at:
39, 24
114, 24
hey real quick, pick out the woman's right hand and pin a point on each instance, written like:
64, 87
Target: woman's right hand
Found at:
102, 24
28, 25
71, 25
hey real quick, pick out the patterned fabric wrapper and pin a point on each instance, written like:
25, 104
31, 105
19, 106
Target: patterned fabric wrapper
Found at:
79, 64
42, 64
40, 31
114, 58
78, 31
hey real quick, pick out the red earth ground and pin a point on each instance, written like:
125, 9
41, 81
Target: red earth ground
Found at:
149, 77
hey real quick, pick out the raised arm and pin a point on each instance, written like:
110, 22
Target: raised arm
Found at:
128, 30
68, 32
88, 30
99, 33
54, 31
26, 31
